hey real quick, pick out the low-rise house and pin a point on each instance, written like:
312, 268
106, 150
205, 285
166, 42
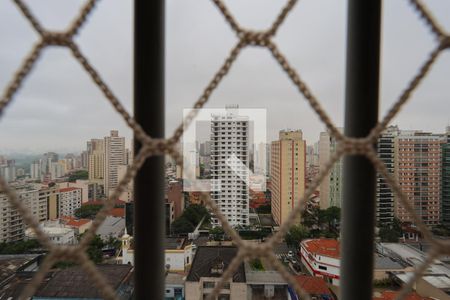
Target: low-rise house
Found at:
79, 225
57, 233
265, 284
316, 287
207, 268
111, 227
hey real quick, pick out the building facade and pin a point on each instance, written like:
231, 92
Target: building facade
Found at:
445, 184
230, 147
287, 174
69, 201
331, 185
384, 194
418, 160
114, 156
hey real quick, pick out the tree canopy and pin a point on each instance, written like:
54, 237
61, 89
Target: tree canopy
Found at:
190, 218
88, 211
295, 235
81, 174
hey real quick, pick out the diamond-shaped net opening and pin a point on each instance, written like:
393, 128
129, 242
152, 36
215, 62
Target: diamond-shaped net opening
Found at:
151, 146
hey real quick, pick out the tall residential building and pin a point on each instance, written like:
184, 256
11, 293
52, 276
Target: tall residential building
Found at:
229, 141
69, 201
8, 170
96, 159
331, 185
287, 174
114, 157
35, 170
418, 160
12, 226
384, 194
445, 184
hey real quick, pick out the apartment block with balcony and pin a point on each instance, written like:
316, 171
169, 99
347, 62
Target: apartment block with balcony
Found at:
418, 160
445, 183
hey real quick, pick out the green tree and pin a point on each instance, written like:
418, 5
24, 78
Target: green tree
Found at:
388, 235
217, 233
295, 235
88, 211
182, 225
194, 214
264, 209
94, 250
20, 247
81, 174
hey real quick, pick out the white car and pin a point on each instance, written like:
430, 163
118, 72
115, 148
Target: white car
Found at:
290, 254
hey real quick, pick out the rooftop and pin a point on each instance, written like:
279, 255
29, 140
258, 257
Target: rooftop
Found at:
207, 258
9, 264
74, 282
386, 263
69, 189
73, 222
313, 285
324, 247
390, 295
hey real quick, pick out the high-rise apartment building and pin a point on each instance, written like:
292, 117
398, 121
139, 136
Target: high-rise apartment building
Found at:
445, 182
12, 227
229, 141
35, 170
8, 170
287, 173
331, 186
96, 159
418, 161
384, 194
114, 156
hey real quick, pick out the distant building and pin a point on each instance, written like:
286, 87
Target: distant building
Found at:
229, 137
384, 195
445, 185
69, 201
114, 157
418, 160
208, 267
8, 170
287, 174
56, 232
111, 227
331, 186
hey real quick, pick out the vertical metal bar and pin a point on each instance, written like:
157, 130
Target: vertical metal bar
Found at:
149, 223
359, 181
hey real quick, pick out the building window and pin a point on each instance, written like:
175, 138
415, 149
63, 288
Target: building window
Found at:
322, 268
208, 284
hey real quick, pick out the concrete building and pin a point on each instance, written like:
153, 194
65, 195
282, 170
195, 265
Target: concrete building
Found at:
8, 170
207, 268
96, 160
287, 174
445, 175
69, 200
229, 137
12, 227
127, 194
321, 257
114, 156
35, 170
418, 160
111, 227
57, 233
384, 195
435, 280
331, 185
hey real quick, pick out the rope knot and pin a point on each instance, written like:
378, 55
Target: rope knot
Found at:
255, 38
57, 39
356, 146
445, 42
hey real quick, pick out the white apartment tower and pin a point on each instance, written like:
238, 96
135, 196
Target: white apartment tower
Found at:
229, 141
114, 156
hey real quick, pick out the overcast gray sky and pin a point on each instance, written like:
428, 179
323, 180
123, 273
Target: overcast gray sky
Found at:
59, 108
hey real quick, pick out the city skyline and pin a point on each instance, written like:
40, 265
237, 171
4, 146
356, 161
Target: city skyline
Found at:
30, 126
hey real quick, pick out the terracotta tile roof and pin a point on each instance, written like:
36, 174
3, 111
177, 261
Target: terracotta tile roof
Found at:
69, 189
324, 247
390, 295
71, 221
117, 212
313, 285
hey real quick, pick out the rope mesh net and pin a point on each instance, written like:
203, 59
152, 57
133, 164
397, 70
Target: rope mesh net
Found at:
152, 146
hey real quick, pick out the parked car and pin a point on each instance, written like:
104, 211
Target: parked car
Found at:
290, 254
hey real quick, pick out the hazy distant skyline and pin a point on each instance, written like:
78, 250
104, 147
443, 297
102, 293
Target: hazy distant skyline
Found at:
59, 108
